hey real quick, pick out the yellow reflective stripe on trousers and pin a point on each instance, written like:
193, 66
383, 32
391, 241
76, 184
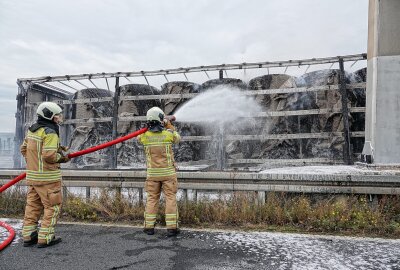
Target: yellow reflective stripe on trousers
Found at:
43, 232
171, 220
149, 220
28, 230
30, 227
54, 217
53, 223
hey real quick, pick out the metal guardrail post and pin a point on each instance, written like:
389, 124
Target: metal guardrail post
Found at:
221, 158
140, 190
87, 194
260, 197
194, 195
185, 195
114, 155
65, 194
345, 114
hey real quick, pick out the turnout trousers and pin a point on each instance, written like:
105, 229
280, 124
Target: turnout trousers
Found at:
44, 198
169, 186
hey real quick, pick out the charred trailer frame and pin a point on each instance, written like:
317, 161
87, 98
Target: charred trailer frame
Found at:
32, 91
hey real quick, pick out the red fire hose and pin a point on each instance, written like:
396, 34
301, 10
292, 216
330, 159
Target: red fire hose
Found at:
82, 152
72, 155
107, 144
10, 237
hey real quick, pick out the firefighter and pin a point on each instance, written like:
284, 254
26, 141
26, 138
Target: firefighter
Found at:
161, 170
43, 155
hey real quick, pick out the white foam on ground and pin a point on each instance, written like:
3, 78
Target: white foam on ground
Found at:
293, 251
17, 226
296, 251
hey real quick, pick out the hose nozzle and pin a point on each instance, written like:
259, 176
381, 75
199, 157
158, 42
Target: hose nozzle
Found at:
171, 118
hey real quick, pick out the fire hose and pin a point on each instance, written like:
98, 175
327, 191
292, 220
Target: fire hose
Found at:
72, 155
10, 237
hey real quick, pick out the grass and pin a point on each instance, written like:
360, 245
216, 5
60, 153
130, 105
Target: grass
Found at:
333, 214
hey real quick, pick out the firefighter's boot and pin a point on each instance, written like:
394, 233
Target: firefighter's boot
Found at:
172, 232
32, 241
54, 241
148, 231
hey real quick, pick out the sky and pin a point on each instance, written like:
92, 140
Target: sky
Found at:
58, 37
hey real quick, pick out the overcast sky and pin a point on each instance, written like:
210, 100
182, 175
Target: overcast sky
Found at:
50, 37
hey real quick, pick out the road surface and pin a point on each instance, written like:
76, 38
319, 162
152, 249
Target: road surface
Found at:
121, 247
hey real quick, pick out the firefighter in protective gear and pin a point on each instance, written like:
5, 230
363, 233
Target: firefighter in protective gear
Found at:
161, 170
43, 155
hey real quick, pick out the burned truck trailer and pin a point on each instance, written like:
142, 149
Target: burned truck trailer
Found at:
317, 117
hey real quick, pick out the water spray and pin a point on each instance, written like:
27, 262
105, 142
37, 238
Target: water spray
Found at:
221, 104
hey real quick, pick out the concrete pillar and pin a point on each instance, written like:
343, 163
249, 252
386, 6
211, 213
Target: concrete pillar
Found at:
382, 126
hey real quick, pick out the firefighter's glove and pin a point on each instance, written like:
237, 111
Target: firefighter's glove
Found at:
64, 159
168, 124
62, 149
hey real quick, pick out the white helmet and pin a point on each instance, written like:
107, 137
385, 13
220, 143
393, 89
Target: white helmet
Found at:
155, 114
48, 110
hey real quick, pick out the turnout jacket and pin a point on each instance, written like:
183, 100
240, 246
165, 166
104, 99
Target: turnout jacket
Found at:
159, 155
40, 149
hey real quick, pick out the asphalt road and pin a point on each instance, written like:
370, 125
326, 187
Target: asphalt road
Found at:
110, 247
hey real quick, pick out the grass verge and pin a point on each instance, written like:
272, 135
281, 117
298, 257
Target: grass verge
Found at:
305, 213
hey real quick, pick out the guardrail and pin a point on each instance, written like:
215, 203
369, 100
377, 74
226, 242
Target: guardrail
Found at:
234, 181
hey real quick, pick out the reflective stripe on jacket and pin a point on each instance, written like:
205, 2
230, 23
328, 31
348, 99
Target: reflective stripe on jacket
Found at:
159, 155
42, 159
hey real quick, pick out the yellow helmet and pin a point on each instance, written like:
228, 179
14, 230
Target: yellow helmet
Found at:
155, 114
47, 110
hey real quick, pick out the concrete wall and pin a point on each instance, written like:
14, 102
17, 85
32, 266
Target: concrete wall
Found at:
383, 81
